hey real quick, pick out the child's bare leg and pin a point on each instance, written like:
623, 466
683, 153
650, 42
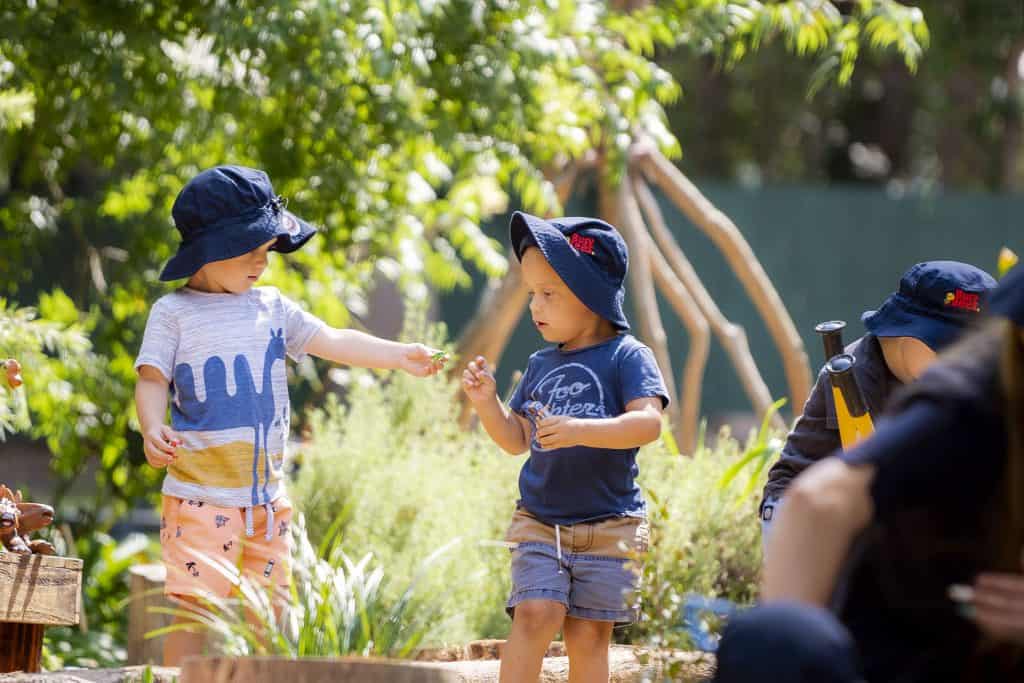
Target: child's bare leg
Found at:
184, 643
586, 642
534, 624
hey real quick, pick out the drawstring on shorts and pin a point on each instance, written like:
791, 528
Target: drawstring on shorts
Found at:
270, 520
250, 529
558, 548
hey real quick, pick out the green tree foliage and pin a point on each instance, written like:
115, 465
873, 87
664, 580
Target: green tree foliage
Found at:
397, 126
953, 122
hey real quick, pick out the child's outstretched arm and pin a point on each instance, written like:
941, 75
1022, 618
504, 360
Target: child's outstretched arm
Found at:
639, 425
160, 441
508, 430
353, 347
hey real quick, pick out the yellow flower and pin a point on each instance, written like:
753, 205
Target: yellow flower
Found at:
1007, 260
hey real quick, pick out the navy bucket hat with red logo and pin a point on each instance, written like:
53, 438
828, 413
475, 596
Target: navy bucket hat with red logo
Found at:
228, 211
588, 254
935, 301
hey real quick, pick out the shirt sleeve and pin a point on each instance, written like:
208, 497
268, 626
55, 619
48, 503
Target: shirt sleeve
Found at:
641, 377
300, 327
159, 341
812, 438
933, 454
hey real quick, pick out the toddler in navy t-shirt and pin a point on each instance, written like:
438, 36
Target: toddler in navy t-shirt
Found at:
583, 408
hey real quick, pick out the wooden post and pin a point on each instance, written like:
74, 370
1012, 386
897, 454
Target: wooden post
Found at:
146, 583
36, 591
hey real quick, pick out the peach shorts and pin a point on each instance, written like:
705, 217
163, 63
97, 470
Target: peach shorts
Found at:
205, 548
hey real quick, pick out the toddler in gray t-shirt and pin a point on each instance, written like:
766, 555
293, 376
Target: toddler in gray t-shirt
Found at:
217, 348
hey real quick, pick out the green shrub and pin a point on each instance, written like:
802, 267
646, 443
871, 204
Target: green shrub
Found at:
706, 537
410, 482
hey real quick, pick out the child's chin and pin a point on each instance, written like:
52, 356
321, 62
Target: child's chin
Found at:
549, 336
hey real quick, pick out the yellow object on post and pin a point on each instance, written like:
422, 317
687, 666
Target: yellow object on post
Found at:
855, 422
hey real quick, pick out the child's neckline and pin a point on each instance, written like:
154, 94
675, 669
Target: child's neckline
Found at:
566, 352
200, 292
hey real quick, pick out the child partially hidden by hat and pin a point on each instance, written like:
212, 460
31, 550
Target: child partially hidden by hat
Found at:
224, 504
583, 407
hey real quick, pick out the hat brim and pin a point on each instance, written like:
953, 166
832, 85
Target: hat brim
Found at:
241, 238
895, 318
1008, 298
575, 269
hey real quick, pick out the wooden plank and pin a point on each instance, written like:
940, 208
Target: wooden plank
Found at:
146, 583
341, 670
40, 589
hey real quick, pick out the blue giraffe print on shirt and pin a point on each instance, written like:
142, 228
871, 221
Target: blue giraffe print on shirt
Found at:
221, 410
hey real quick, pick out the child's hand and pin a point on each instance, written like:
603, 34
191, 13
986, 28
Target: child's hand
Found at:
557, 431
161, 444
478, 381
422, 361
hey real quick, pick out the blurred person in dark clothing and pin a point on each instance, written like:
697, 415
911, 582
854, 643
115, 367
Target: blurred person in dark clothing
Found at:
913, 538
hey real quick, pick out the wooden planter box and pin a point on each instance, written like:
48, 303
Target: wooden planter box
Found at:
340, 670
36, 591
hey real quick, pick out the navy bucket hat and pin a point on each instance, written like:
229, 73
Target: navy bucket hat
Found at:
1008, 299
935, 301
588, 254
228, 211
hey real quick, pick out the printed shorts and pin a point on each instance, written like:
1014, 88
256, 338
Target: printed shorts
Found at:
591, 568
205, 548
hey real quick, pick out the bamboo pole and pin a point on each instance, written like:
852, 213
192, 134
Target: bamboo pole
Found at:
617, 205
727, 237
691, 379
732, 337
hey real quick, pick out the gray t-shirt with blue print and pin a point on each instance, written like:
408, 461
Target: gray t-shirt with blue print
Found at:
225, 357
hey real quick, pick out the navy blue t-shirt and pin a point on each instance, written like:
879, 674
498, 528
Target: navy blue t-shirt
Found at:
580, 484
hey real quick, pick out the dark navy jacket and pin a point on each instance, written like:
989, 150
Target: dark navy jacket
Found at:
816, 433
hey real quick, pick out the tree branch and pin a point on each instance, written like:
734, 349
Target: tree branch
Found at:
618, 207
731, 336
727, 237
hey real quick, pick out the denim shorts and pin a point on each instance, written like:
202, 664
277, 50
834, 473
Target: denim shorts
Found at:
591, 568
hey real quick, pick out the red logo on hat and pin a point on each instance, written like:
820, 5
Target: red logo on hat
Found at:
581, 243
963, 300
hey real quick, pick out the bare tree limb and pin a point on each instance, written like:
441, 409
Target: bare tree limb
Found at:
727, 237
617, 205
691, 380
731, 336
